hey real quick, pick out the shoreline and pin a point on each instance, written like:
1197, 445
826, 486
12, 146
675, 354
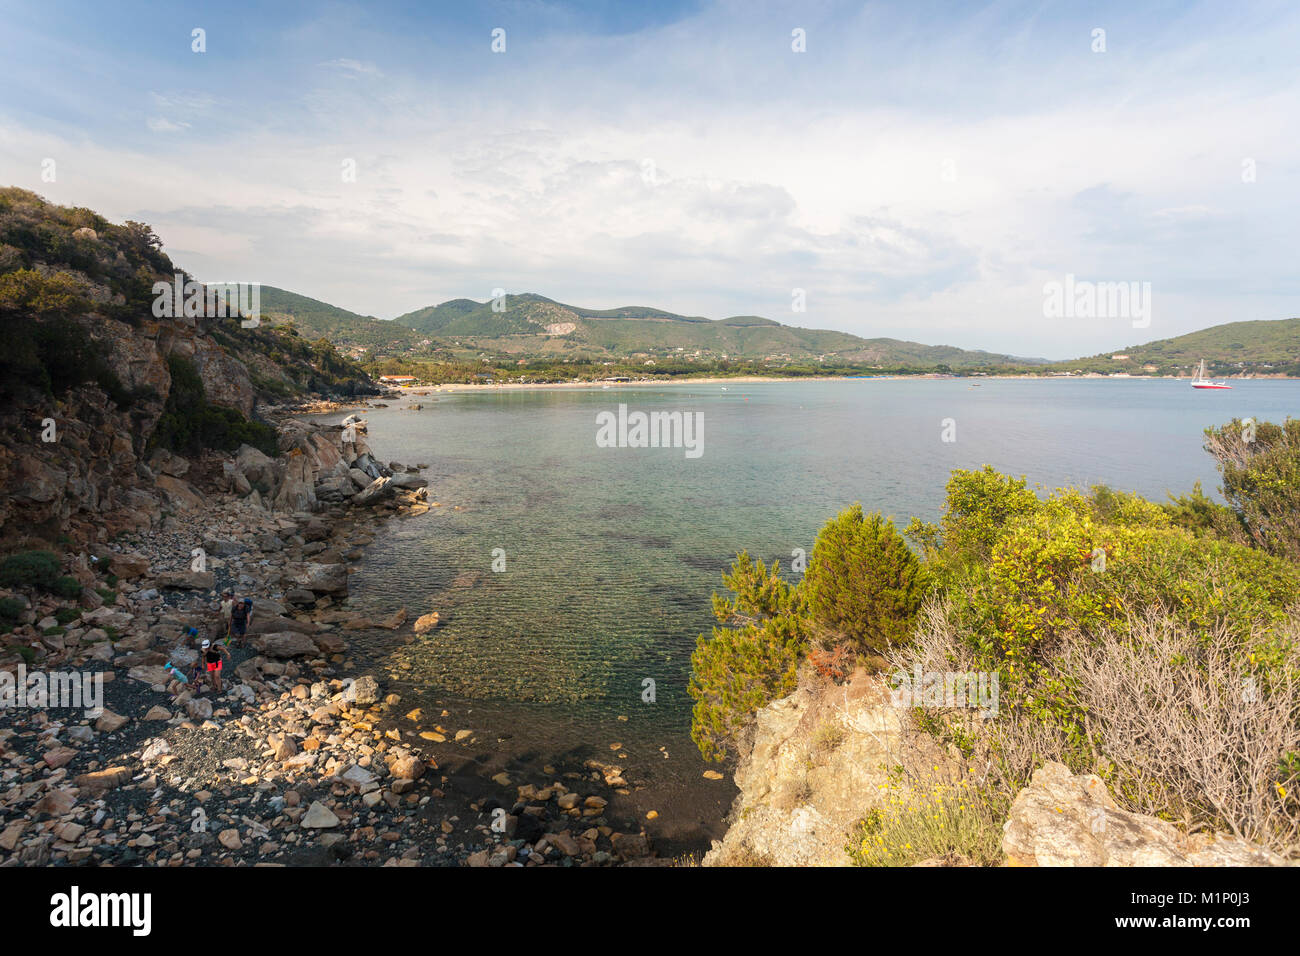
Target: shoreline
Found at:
471, 387
303, 758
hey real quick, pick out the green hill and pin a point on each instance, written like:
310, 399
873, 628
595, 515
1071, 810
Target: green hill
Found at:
1262, 347
533, 326
348, 331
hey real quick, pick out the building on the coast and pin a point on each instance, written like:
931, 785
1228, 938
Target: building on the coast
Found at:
397, 379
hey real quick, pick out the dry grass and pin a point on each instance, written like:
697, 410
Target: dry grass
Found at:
1174, 727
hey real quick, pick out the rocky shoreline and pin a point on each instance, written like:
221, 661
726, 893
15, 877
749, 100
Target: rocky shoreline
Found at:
303, 759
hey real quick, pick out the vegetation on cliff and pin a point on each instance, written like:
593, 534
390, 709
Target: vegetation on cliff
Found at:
190, 423
68, 277
1154, 645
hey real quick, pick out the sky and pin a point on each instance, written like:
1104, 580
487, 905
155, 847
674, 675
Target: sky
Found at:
924, 171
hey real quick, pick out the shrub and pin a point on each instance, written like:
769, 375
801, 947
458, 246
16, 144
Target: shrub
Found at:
1224, 754
940, 819
11, 609
1060, 569
66, 615
746, 665
863, 583
1202, 516
30, 569
834, 663
979, 504
189, 423
67, 587
29, 292
1189, 722
1261, 480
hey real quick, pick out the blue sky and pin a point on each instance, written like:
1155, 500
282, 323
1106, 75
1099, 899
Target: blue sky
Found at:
921, 171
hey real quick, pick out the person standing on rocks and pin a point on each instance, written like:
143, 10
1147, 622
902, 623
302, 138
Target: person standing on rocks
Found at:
227, 606
210, 658
241, 616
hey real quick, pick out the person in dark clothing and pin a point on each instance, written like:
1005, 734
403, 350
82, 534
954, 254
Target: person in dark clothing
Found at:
210, 659
241, 616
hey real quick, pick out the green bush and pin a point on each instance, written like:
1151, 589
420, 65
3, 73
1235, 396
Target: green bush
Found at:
30, 569
863, 583
751, 662
1261, 480
1060, 570
1202, 516
67, 587
189, 423
66, 615
979, 505
11, 609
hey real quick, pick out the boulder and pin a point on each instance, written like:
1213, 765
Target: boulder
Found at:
319, 578
319, 817
408, 767
378, 490
224, 547
164, 462
188, 580
630, 846
426, 622
408, 481
180, 494
274, 623
282, 746
330, 643
108, 779
364, 691
150, 674
109, 721
256, 466
128, 566
297, 490
1065, 820
285, 644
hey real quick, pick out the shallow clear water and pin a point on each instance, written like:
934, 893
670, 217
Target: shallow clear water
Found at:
611, 553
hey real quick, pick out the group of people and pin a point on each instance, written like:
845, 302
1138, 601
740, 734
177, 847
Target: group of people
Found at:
232, 625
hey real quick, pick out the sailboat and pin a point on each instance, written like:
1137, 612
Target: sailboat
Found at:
1200, 381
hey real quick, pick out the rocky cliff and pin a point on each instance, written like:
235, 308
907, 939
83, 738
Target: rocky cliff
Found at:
91, 402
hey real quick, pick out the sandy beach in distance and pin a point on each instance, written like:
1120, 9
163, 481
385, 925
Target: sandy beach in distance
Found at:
754, 380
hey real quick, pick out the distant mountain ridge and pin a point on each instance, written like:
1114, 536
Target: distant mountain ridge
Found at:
533, 325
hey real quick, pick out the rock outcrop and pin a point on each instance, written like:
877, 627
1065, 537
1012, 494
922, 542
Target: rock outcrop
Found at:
818, 761
1065, 820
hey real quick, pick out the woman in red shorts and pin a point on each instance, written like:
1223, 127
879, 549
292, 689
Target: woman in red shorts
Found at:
210, 658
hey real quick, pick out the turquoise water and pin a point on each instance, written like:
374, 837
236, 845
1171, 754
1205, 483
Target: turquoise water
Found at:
611, 553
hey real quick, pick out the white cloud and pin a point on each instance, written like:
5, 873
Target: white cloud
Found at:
160, 124
927, 200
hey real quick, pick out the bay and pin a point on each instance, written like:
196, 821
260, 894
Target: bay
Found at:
609, 555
